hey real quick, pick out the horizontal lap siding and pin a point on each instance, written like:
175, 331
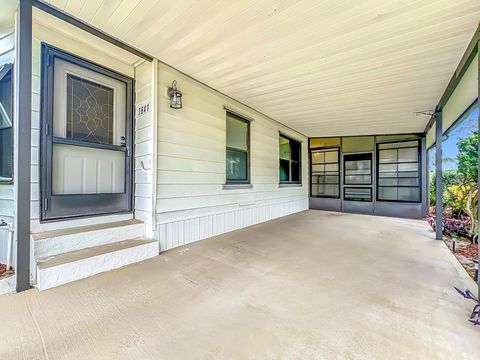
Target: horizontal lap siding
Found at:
143, 146
191, 201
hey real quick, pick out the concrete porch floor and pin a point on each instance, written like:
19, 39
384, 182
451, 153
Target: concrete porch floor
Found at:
313, 285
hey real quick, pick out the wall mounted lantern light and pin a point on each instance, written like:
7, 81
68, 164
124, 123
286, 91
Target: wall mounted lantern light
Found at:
175, 96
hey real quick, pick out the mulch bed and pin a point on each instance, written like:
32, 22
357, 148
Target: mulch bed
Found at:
465, 252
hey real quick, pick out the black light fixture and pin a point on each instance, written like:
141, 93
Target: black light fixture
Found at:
175, 96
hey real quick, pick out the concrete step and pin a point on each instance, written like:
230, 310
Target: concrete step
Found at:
55, 242
75, 265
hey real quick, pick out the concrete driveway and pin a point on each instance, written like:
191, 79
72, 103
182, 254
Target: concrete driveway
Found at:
313, 285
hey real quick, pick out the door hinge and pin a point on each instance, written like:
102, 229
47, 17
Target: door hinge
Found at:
45, 204
46, 129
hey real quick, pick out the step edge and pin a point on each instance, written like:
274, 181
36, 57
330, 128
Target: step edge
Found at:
55, 260
83, 229
41, 286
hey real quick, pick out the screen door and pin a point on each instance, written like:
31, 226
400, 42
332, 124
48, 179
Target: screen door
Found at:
86, 142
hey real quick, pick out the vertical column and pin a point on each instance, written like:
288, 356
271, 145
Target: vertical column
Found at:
23, 138
424, 176
438, 174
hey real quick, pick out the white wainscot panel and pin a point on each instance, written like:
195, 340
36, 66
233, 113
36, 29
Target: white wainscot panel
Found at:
184, 231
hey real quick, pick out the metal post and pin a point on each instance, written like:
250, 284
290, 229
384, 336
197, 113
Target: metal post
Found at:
438, 175
424, 177
23, 138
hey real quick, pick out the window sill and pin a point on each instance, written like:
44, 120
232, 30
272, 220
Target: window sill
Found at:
281, 185
237, 186
7, 181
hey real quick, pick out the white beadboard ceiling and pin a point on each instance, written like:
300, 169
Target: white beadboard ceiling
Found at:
322, 67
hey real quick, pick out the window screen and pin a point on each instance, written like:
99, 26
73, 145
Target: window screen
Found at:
325, 173
358, 169
6, 122
399, 171
290, 167
238, 144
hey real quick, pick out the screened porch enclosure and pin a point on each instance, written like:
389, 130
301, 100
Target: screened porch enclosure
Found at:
377, 175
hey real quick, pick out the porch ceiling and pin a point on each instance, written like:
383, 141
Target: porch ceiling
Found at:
322, 67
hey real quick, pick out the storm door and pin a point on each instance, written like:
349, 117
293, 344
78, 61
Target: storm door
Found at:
86, 138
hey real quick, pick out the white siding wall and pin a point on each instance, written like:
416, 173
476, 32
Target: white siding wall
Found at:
144, 130
191, 201
7, 41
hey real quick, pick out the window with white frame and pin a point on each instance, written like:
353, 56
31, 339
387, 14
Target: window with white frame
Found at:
6, 123
290, 162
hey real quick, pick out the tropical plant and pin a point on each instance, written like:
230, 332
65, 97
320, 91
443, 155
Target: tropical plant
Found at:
468, 158
475, 315
468, 168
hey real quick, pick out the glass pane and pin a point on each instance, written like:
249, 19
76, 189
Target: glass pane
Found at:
315, 189
357, 172
284, 151
331, 157
398, 145
408, 182
387, 167
236, 165
324, 142
318, 157
387, 156
409, 154
89, 111
317, 168
387, 193
89, 171
332, 190
314, 179
6, 133
387, 182
331, 167
6, 155
357, 179
325, 190
6, 101
295, 147
408, 194
237, 131
295, 171
284, 170
387, 174
408, 167
358, 164
331, 179
408, 174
